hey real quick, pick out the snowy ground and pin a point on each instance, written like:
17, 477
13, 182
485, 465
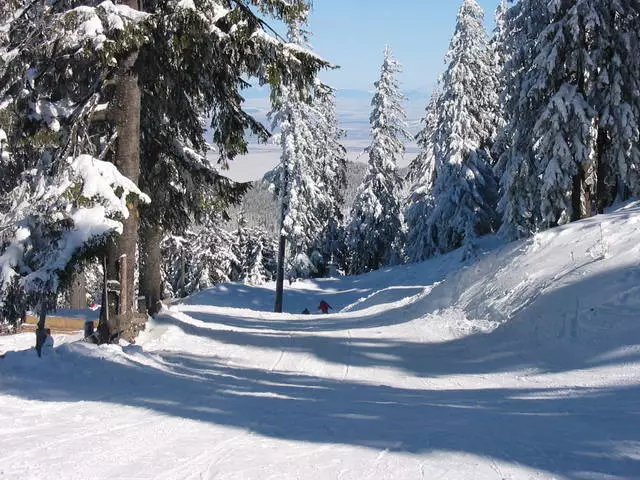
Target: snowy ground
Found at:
522, 365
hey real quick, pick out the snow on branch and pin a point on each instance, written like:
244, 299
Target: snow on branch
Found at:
60, 218
101, 180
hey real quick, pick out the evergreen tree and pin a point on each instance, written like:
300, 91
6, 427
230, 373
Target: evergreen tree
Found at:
422, 175
202, 257
332, 169
615, 62
255, 251
519, 185
310, 158
297, 184
458, 192
375, 227
500, 59
71, 73
573, 111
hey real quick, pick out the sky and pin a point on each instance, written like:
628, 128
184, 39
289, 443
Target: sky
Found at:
353, 34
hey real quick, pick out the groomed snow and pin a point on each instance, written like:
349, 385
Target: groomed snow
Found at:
522, 365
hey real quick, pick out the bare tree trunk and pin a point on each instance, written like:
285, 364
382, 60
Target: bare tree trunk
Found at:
181, 279
126, 114
605, 186
581, 195
151, 263
280, 275
41, 333
78, 295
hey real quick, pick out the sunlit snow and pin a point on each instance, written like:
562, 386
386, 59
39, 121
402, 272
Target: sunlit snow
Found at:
524, 364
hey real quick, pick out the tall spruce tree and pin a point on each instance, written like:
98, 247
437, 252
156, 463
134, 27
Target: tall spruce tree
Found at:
67, 64
375, 227
573, 111
422, 175
60, 62
311, 159
461, 203
614, 58
519, 186
500, 57
332, 172
255, 250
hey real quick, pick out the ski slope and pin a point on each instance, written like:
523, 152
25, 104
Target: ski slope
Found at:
524, 364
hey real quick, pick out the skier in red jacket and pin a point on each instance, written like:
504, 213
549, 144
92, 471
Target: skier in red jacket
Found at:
324, 307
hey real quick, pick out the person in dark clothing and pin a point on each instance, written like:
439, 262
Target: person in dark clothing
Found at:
306, 311
324, 307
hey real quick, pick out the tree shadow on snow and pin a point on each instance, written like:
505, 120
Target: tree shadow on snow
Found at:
584, 432
574, 432
558, 330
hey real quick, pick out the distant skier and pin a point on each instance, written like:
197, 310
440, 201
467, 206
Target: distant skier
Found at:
306, 311
324, 307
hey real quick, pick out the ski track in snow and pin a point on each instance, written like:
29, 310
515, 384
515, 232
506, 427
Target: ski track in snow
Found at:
522, 365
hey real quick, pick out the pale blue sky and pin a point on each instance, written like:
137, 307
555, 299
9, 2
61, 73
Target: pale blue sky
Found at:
353, 33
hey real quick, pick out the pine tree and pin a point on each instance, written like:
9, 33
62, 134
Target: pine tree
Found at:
175, 157
457, 192
613, 27
297, 184
255, 251
375, 227
310, 158
500, 54
573, 111
332, 170
203, 256
72, 75
422, 175
519, 194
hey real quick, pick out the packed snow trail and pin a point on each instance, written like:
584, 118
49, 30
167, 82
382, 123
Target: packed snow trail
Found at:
524, 364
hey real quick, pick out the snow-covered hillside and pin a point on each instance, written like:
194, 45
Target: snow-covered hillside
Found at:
523, 364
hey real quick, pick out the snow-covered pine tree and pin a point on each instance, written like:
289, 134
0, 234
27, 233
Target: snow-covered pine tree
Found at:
200, 258
500, 58
201, 76
332, 169
61, 62
422, 175
375, 227
461, 205
497, 41
519, 204
299, 178
614, 55
296, 182
563, 139
573, 111
207, 73
255, 251
56, 64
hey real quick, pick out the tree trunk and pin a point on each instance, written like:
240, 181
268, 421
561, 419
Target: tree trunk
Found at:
151, 263
280, 275
605, 192
581, 195
126, 115
41, 333
181, 280
78, 295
